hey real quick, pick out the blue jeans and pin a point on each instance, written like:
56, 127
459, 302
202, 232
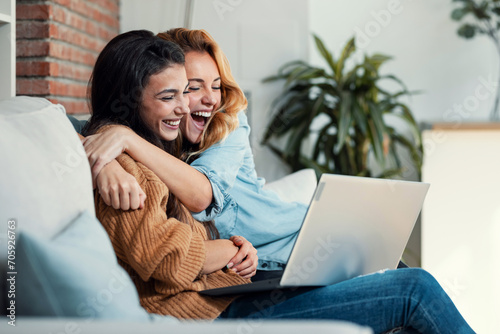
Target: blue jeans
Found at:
408, 299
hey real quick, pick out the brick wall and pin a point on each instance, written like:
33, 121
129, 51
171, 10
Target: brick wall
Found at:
58, 42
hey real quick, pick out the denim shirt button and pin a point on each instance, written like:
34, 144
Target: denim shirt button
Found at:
264, 265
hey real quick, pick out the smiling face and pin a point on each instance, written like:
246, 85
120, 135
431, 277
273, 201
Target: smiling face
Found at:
204, 94
165, 102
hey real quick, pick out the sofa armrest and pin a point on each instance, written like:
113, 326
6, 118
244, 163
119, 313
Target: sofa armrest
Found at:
159, 326
296, 187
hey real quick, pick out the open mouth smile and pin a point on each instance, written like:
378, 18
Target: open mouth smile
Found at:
200, 118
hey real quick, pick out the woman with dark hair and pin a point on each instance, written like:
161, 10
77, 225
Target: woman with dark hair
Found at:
139, 81
171, 259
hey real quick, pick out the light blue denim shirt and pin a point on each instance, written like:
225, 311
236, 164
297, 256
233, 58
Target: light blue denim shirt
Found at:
241, 206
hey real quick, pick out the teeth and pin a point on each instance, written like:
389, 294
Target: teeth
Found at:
173, 123
202, 113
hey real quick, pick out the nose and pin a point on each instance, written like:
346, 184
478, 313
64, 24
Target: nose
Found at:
183, 107
209, 98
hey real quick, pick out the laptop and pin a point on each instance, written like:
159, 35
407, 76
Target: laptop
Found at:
354, 226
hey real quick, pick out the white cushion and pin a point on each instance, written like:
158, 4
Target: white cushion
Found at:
296, 187
45, 177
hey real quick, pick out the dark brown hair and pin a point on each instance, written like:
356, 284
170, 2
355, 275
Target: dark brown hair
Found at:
120, 74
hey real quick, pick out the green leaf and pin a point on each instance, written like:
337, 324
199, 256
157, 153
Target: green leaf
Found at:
458, 13
390, 173
415, 154
396, 79
349, 48
359, 117
320, 142
410, 121
377, 60
287, 68
345, 120
466, 31
481, 11
327, 56
304, 74
319, 169
376, 131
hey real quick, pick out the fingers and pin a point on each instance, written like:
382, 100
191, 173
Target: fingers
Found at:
142, 197
247, 267
119, 189
244, 263
244, 247
115, 198
124, 198
137, 197
101, 149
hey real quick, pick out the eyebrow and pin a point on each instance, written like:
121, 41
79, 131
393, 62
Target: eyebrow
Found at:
170, 90
167, 91
201, 80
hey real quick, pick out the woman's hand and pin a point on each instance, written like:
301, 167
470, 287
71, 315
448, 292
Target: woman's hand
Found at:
105, 146
244, 263
119, 189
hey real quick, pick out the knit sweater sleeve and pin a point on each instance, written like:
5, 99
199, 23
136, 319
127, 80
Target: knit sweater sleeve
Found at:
154, 245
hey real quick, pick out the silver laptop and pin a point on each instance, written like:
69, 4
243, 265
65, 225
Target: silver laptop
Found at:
354, 226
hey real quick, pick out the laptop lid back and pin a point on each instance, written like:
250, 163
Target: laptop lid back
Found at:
354, 226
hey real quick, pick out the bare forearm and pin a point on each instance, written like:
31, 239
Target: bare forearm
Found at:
218, 254
190, 186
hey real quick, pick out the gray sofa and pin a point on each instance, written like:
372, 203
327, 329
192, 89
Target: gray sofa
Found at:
63, 276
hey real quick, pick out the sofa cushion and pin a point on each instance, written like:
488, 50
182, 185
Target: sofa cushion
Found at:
74, 274
45, 175
45, 184
295, 187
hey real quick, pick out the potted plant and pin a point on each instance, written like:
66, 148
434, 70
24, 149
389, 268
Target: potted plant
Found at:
486, 21
352, 110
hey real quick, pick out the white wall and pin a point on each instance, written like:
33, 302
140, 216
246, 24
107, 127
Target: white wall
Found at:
154, 15
428, 54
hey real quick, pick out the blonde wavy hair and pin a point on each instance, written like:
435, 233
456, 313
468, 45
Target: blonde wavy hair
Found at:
225, 119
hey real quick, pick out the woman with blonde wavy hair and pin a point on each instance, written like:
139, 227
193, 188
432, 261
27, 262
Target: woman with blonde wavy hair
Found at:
220, 183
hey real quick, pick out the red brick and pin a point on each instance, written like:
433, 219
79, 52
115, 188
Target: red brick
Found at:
59, 88
67, 52
75, 37
110, 6
106, 34
89, 26
33, 30
84, 9
33, 68
33, 11
32, 87
31, 48
66, 36
71, 71
53, 69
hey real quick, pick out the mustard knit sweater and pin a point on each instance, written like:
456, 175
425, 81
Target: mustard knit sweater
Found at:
163, 256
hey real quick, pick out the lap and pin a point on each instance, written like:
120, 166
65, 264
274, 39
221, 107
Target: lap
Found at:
365, 300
